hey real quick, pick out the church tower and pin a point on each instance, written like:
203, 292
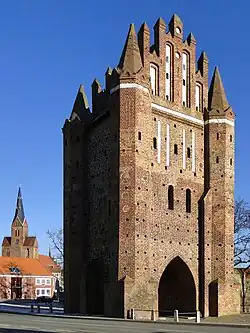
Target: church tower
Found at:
149, 185
20, 244
19, 228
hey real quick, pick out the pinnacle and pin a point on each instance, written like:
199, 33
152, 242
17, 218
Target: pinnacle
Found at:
109, 71
176, 18
130, 60
144, 26
217, 99
160, 21
191, 38
82, 94
80, 105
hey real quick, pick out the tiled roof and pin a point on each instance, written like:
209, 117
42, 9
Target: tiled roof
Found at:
6, 241
49, 263
27, 266
30, 241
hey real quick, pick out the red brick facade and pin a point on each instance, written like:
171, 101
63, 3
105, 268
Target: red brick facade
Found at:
149, 185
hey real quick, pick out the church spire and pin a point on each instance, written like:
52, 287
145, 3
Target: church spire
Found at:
217, 100
130, 60
50, 252
19, 207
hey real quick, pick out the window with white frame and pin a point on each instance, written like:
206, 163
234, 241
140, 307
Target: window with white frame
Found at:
38, 292
38, 281
48, 292
43, 281
198, 97
185, 85
154, 79
48, 282
43, 291
168, 72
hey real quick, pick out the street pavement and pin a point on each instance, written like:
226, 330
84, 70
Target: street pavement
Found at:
21, 323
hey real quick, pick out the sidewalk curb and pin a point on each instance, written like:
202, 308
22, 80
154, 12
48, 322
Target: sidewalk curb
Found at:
128, 320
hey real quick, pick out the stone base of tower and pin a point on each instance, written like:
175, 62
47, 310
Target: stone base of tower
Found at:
229, 299
141, 300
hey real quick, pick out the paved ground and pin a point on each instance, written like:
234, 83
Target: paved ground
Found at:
12, 323
237, 319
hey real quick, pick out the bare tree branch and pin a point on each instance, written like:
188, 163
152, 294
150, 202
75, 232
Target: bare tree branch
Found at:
242, 244
56, 238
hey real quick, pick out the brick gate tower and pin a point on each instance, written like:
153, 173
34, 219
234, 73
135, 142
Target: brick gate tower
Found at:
149, 185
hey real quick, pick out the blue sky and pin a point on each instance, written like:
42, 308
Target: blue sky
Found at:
49, 47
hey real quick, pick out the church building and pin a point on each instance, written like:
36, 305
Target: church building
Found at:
20, 244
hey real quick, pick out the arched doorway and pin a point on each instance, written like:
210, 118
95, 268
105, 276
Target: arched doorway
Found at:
176, 289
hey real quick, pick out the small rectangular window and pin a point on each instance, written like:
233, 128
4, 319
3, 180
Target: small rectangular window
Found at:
43, 281
38, 292
167, 76
184, 82
231, 138
139, 135
155, 143
231, 161
188, 152
218, 136
167, 59
175, 149
43, 291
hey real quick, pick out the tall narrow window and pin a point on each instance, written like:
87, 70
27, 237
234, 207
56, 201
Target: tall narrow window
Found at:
231, 138
139, 135
185, 85
188, 152
155, 143
27, 253
154, 79
170, 197
198, 97
168, 73
175, 149
218, 136
217, 159
188, 201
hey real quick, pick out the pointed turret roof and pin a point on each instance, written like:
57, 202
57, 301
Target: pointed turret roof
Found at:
217, 99
130, 60
19, 213
81, 104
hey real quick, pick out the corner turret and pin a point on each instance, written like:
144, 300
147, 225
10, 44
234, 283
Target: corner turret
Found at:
217, 100
130, 61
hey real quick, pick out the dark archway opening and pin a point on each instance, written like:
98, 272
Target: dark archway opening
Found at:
176, 289
213, 299
95, 287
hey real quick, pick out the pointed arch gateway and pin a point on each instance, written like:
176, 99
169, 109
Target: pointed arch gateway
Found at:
176, 289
